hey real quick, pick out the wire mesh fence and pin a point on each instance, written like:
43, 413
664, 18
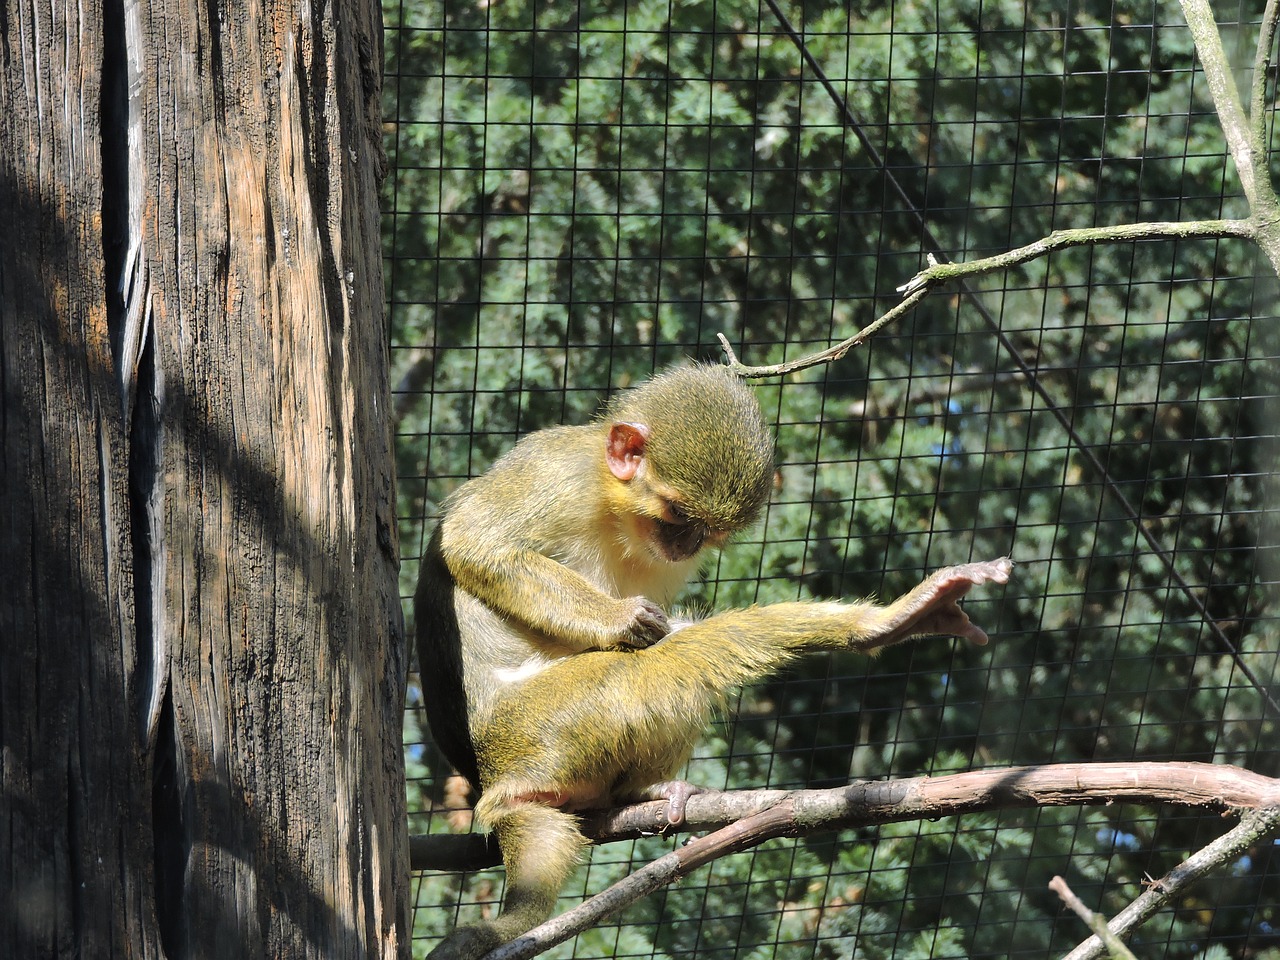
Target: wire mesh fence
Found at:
581, 193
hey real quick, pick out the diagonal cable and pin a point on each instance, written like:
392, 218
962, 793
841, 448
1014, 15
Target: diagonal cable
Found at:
933, 246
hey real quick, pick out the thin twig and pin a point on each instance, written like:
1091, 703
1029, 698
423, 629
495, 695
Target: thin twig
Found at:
828, 355
1094, 921
940, 273
1255, 827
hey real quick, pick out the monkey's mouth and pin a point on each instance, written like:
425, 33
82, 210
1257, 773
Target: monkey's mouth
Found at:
679, 541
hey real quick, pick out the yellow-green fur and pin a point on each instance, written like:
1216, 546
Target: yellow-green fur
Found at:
541, 598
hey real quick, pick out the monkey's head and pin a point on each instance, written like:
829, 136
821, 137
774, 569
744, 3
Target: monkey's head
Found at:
693, 457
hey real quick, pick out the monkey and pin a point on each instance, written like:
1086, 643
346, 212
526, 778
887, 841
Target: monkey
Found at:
579, 537
554, 678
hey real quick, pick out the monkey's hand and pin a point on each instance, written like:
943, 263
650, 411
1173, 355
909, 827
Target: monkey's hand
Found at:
931, 609
644, 623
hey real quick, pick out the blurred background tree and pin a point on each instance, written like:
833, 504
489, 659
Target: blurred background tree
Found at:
581, 193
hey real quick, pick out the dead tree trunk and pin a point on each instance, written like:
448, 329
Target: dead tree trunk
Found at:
201, 651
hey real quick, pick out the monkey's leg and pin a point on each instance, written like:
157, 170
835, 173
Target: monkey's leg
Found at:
540, 846
741, 646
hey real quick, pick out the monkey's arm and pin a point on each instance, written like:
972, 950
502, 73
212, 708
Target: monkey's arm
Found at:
523, 585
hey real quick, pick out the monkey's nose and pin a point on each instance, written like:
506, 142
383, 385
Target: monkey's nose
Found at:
687, 542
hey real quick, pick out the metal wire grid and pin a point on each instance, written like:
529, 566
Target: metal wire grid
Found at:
581, 193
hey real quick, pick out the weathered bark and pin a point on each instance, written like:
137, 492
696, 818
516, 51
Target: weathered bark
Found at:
75, 841
201, 654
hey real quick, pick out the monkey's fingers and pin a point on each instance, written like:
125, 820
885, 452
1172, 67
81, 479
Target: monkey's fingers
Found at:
943, 618
958, 624
973, 633
647, 624
946, 618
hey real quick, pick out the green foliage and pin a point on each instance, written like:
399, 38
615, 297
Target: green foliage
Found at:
583, 193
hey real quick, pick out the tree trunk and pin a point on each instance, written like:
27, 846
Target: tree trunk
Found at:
201, 651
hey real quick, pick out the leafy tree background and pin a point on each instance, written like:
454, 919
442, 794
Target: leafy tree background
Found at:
583, 192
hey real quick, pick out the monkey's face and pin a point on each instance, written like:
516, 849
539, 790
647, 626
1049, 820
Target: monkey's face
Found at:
673, 521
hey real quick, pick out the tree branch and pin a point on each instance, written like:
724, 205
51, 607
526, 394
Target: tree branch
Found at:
1222, 88
939, 273
1245, 135
869, 802
1261, 70
828, 355
1094, 921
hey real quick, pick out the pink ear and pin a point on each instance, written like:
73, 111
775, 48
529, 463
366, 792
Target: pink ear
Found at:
624, 451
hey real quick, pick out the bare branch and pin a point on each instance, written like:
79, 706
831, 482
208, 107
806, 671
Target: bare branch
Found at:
1245, 135
823, 356
1222, 88
1210, 786
1256, 826
938, 273
1261, 70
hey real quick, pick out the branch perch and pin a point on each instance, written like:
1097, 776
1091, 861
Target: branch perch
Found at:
865, 803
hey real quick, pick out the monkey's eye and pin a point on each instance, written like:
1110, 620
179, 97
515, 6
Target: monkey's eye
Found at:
677, 516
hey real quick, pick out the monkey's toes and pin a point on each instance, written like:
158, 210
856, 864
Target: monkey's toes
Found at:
987, 571
677, 794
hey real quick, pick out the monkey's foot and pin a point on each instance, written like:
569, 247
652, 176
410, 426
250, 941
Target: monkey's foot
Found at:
931, 609
676, 793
